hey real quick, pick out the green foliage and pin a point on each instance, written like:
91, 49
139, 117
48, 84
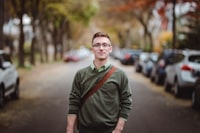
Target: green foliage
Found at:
57, 9
83, 11
72, 10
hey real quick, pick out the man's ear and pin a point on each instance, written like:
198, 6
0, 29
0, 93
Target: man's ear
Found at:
110, 49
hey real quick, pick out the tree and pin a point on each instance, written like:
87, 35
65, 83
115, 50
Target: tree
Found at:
19, 7
1, 23
34, 13
162, 11
190, 37
63, 15
142, 11
43, 14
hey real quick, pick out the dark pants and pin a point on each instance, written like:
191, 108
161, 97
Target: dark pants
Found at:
81, 132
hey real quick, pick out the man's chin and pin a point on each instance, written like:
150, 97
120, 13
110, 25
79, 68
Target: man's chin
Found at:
102, 58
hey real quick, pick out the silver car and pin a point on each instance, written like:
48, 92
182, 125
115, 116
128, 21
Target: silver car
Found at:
196, 92
141, 60
149, 63
179, 77
9, 79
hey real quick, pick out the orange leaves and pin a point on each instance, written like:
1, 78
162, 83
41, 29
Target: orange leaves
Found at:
121, 8
144, 3
132, 5
161, 11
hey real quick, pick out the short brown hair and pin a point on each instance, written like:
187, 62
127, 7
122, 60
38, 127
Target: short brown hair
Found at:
100, 34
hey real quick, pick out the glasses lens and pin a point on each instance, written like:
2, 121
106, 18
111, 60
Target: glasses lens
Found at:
101, 45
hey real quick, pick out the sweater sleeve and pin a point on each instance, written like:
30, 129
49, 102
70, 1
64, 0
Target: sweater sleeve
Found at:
125, 97
75, 96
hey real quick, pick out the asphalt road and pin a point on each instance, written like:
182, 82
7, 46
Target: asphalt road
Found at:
43, 104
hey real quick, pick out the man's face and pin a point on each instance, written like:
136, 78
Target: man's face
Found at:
101, 48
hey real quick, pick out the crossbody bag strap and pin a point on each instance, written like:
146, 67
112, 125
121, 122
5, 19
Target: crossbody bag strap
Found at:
98, 85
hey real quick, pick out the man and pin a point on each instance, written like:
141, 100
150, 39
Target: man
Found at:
106, 110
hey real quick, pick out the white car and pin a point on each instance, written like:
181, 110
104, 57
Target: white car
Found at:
141, 60
196, 92
179, 72
149, 63
9, 79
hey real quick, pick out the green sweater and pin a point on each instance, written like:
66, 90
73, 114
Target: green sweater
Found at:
100, 112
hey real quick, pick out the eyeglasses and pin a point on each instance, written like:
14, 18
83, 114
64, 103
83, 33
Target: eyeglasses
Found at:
98, 45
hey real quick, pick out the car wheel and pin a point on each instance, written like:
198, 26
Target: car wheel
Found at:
1, 98
147, 74
151, 78
167, 86
195, 101
137, 69
157, 79
15, 94
177, 90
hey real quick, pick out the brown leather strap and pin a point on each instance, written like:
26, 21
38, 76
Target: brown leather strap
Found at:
97, 86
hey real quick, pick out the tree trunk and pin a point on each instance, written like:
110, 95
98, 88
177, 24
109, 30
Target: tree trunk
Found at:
63, 27
148, 38
69, 35
55, 38
45, 47
1, 24
174, 25
32, 50
43, 26
34, 12
150, 42
21, 39
145, 36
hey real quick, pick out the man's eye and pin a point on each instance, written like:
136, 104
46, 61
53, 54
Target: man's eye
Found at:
97, 45
105, 44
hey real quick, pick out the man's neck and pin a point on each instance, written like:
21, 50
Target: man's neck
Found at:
100, 63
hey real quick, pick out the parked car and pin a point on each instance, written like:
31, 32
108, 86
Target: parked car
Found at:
76, 55
196, 92
158, 70
179, 71
71, 56
116, 53
128, 56
141, 60
148, 65
9, 79
146, 62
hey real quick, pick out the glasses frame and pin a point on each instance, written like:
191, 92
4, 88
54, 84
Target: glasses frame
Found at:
98, 45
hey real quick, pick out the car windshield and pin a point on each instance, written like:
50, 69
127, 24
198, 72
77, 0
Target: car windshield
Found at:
154, 56
131, 51
194, 58
144, 56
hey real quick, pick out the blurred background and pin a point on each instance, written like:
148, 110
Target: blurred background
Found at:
44, 42
38, 31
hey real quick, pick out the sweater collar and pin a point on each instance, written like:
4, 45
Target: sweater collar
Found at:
102, 68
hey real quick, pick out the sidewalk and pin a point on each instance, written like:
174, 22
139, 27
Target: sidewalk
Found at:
28, 72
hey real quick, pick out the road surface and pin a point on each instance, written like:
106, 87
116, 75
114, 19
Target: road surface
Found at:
43, 105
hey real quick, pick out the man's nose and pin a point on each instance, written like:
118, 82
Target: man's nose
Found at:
101, 46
